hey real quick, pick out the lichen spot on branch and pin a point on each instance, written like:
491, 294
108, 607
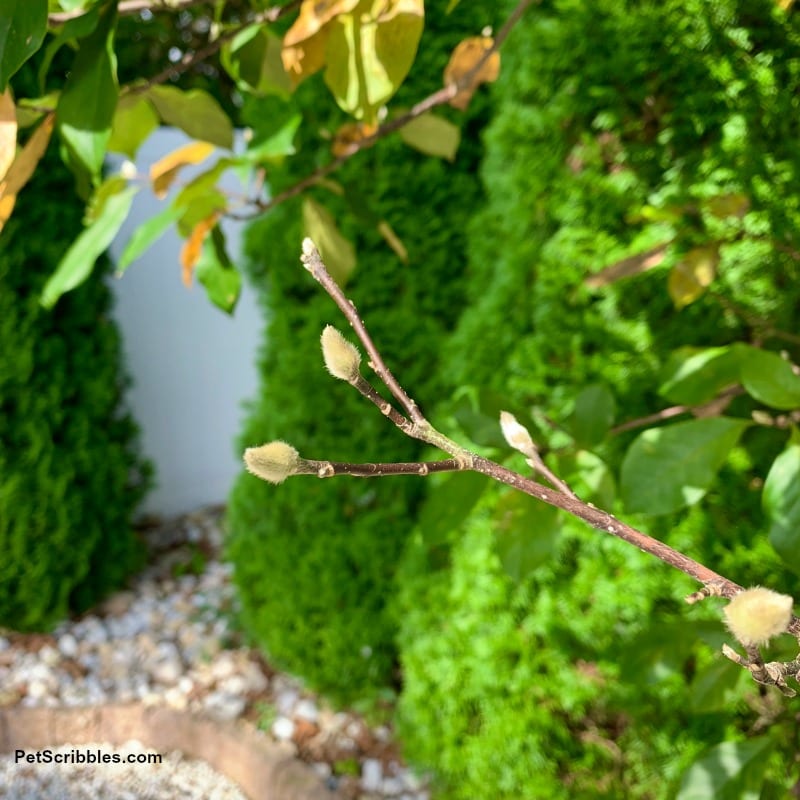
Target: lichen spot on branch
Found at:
342, 359
273, 462
756, 615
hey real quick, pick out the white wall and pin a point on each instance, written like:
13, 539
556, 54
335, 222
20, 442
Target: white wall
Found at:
192, 365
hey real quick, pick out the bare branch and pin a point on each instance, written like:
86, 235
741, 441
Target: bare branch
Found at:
128, 8
330, 469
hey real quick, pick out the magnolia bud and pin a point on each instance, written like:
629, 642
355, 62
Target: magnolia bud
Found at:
515, 434
341, 358
273, 462
755, 615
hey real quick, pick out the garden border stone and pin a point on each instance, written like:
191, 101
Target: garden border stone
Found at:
261, 768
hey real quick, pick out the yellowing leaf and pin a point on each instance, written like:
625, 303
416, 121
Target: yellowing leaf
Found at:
350, 135
691, 276
369, 53
165, 170
463, 62
432, 135
338, 253
393, 240
734, 204
193, 246
8, 132
134, 120
21, 169
625, 267
304, 44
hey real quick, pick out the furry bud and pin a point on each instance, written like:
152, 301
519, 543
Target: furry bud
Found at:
273, 462
516, 434
755, 615
342, 359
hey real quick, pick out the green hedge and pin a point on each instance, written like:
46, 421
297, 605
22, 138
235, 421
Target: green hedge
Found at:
70, 477
314, 561
586, 678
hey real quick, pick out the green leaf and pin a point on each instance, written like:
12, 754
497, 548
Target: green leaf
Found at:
217, 274
86, 106
526, 532
78, 262
449, 504
200, 198
693, 377
195, 112
432, 135
666, 469
662, 648
111, 186
337, 252
253, 59
477, 411
728, 771
146, 235
369, 53
593, 416
781, 501
277, 145
712, 687
769, 379
75, 28
134, 120
23, 24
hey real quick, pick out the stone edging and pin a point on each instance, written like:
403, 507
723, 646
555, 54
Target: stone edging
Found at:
260, 767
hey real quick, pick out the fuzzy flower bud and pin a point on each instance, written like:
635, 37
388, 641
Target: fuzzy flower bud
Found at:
755, 615
516, 434
273, 462
342, 359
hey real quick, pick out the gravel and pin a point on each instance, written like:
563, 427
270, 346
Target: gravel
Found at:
170, 639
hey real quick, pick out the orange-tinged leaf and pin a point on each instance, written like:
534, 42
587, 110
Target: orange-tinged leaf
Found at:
193, 246
690, 277
165, 170
22, 167
464, 60
626, 267
304, 44
8, 131
350, 134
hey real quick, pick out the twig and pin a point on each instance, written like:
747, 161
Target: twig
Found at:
438, 98
312, 261
330, 469
713, 407
128, 8
197, 56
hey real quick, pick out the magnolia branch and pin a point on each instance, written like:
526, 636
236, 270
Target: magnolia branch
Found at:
754, 615
438, 98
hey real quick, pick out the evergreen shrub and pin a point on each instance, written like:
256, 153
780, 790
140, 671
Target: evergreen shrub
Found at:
584, 678
314, 560
70, 475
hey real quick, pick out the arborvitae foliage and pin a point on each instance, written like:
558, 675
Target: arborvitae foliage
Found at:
70, 477
590, 677
314, 561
